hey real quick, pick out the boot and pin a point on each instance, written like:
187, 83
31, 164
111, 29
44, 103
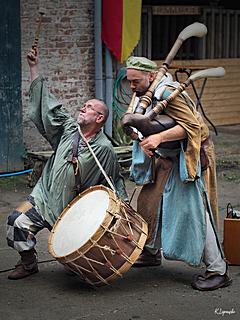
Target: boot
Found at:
26, 266
146, 259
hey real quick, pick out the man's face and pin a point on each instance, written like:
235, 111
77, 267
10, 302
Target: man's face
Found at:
90, 113
139, 80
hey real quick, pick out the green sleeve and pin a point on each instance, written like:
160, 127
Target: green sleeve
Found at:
45, 112
113, 168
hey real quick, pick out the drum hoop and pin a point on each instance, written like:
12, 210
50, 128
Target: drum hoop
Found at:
109, 215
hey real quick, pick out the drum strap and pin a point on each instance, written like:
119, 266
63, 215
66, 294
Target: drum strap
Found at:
97, 161
73, 158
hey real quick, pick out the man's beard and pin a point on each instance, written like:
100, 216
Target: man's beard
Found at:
140, 93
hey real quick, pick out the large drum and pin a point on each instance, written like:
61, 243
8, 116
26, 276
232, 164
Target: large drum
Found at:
98, 236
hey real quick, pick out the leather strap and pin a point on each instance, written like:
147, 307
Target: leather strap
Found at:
203, 154
97, 161
73, 158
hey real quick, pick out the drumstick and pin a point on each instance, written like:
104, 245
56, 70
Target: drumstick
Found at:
37, 33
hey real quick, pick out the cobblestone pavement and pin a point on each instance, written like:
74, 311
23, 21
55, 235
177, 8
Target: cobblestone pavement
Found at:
148, 293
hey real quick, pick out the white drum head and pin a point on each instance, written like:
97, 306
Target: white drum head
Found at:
80, 222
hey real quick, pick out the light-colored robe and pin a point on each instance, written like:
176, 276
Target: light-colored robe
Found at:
173, 199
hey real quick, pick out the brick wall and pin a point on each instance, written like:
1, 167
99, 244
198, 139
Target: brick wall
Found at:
66, 50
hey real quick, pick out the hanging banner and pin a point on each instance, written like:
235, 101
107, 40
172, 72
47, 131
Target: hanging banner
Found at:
121, 26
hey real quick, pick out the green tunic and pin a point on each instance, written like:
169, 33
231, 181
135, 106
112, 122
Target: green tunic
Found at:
55, 188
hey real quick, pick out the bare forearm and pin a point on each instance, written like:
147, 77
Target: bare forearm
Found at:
32, 59
34, 73
173, 134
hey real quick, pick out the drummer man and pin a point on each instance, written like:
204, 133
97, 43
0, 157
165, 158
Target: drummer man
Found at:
70, 170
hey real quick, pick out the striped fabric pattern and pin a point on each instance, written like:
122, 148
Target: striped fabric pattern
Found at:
121, 26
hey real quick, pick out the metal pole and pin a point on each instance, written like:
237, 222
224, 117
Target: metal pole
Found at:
109, 91
98, 49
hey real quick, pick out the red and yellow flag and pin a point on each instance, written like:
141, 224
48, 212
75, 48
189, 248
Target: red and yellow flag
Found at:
121, 26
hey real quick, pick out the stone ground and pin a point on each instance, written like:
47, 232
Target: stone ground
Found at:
148, 293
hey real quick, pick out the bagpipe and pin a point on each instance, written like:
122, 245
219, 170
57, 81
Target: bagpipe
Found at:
154, 121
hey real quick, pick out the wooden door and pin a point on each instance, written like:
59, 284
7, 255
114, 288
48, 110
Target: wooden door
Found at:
11, 132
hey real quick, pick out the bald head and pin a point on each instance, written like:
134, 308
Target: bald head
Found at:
101, 107
93, 115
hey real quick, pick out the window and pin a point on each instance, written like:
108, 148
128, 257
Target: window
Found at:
160, 31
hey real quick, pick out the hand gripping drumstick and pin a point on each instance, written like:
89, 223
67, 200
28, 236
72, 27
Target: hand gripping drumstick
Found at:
193, 30
145, 123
